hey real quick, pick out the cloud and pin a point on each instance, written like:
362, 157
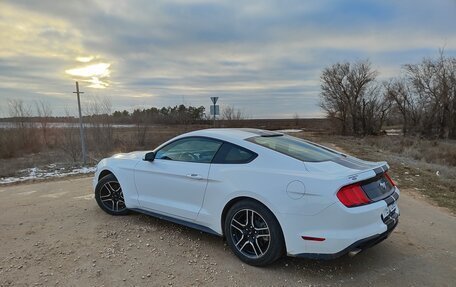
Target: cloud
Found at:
25, 32
85, 59
95, 74
262, 56
94, 70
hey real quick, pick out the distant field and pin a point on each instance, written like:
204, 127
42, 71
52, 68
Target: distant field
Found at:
25, 147
317, 123
426, 166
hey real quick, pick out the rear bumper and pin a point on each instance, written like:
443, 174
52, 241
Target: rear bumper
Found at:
358, 245
341, 229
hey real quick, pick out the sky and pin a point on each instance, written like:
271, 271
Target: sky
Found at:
262, 57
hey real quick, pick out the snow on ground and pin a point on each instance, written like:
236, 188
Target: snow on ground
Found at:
289, 131
51, 171
393, 132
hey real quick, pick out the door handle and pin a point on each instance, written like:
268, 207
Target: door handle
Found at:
194, 176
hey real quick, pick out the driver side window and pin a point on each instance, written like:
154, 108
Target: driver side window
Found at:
191, 149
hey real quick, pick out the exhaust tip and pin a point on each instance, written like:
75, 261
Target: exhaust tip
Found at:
354, 252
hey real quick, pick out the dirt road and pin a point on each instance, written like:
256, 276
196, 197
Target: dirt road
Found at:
54, 234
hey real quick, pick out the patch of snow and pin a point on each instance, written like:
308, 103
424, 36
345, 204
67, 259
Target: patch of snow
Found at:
35, 173
289, 131
393, 132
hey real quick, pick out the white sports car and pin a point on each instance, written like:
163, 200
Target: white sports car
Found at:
267, 193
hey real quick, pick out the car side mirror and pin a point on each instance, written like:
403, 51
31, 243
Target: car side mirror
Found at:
150, 156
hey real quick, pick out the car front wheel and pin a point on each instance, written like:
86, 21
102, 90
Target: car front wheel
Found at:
109, 196
253, 233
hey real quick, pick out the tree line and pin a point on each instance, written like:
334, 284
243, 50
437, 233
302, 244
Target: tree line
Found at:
21, 112
180, 114
422, 98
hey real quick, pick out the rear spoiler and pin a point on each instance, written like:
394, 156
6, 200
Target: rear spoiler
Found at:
382, 169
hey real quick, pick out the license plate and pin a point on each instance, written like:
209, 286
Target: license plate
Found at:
392, 207
385, 212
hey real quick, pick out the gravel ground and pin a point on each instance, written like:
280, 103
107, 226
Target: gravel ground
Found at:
54, 234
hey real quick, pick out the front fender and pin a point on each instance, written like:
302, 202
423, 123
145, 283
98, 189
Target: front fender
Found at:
124, 171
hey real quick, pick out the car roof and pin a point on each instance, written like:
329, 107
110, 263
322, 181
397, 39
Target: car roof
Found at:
232, 133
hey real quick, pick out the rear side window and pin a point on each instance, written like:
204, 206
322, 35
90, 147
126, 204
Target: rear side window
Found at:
296, 147
233, 154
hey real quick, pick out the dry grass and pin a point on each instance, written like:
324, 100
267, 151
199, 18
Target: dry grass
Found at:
416, 164
64, 147
430, 151
426, 166
14, 142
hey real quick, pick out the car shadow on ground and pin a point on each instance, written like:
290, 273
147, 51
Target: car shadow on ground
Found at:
374, 258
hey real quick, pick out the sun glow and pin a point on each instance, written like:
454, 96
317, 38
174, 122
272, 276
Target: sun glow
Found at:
97, 83
95, 70
94, 74
85, 59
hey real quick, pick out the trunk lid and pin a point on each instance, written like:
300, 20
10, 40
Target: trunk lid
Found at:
377, 188
350, 170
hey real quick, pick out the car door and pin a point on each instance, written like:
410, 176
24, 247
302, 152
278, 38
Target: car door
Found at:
175, 182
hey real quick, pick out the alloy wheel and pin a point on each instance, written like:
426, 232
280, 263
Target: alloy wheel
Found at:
250, 233
111, 196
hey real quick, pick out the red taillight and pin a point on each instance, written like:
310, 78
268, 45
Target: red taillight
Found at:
390, 180
352, 195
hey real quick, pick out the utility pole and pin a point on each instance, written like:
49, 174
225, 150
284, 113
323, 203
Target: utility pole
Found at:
81, 127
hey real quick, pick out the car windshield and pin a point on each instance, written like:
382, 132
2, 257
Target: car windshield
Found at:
295, 147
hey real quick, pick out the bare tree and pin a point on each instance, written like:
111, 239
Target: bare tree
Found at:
69, 140
347, 89
44, 113
140, 120
434, 83
398, 92
100, 132
20, 114
375, 108
230, 113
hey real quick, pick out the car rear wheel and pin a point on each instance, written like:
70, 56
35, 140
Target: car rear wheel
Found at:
109, 196
253, 233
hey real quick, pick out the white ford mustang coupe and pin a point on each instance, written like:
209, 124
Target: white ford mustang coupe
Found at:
267, 193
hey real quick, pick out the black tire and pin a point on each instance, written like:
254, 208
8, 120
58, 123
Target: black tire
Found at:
109, 196
258, 248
